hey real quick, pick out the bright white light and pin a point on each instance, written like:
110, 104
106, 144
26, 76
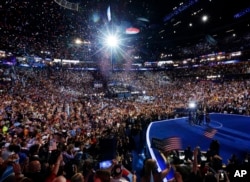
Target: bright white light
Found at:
109, 14
204, 18
78, 41
112, 41
191, 105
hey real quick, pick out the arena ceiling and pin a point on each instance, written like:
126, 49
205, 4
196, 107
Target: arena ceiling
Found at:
164, 25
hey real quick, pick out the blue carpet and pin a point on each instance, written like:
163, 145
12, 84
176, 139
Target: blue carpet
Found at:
233, 134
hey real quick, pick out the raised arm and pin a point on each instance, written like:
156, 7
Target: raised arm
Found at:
195, 163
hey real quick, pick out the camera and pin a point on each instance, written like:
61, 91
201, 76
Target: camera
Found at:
105, 164
222, 176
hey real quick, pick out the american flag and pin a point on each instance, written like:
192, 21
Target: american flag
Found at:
210, 132
171, 143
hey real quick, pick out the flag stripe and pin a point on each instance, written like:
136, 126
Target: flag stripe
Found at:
210, 132
172, 143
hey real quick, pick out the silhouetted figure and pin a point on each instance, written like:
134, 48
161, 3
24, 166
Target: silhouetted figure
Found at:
190, 118
188, 154
215, 147
207, 119
199, 155
200, 117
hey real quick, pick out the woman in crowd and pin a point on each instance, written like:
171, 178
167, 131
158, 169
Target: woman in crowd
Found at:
150, 171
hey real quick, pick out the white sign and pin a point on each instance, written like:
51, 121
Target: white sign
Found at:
240, 173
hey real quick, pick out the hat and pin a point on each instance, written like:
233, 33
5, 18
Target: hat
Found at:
117, 170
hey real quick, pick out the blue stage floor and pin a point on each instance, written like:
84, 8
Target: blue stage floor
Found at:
233, 134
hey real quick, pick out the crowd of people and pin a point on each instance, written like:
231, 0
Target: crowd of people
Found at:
52, 120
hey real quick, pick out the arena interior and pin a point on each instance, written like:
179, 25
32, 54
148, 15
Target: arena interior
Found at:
128, 91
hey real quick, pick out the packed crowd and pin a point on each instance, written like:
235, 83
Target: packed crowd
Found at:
53, 119
224, 70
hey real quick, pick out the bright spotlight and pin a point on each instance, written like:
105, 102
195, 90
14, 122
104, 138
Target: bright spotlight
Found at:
78, 41
192, 105
112, 41
204, 18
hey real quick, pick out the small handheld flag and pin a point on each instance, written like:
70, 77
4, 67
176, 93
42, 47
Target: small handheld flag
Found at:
172, 143
210, 132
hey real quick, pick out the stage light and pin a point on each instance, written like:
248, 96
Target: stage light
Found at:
112, 41
78, 41
192, 105
204, 18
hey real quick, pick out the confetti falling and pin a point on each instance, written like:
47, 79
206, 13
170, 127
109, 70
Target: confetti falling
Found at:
32, 27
